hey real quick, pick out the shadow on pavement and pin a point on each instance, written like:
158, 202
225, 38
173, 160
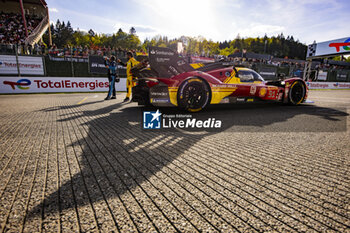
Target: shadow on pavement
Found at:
112, 147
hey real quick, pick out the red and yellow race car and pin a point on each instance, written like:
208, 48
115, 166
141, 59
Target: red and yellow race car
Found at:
168, 80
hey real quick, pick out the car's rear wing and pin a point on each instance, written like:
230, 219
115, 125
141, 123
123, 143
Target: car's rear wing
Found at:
166, 62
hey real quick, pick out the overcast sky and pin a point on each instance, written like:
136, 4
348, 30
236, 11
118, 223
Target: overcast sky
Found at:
219, 20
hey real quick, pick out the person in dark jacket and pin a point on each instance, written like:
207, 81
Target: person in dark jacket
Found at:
111, 64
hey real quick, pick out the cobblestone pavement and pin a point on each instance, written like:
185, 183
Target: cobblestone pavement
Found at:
73, 162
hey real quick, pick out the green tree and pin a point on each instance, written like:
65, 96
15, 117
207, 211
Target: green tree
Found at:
278, 46
132, 31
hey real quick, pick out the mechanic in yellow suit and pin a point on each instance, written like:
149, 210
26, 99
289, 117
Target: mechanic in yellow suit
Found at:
129, 78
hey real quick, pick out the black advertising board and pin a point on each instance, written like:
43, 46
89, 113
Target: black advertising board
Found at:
97, 66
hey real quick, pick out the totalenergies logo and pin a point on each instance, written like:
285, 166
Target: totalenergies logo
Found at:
22, 84
345, 45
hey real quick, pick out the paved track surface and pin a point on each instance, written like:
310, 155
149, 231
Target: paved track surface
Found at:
90, 167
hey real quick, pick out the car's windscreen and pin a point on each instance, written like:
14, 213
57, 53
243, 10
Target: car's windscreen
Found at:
249, 76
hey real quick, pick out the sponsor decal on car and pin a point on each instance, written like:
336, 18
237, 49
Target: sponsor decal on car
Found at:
161, 59
174, 70
161, 52
225, 100
252, 89
262, 92
224, 86
280, 95
153, 100
194, 80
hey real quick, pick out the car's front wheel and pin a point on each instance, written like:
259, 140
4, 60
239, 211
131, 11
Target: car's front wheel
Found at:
193, 94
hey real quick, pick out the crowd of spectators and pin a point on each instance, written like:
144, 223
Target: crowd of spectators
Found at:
85, 51
279, 63
13, 35
12, 30
74, 51
327, 66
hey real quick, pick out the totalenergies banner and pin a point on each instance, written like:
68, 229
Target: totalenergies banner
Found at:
28, 65
57, 84
328, 85
328, 48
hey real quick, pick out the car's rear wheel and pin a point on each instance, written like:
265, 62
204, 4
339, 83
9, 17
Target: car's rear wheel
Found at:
193, 94
297, 93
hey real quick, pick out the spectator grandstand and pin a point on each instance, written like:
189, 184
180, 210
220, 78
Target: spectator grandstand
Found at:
22, 24
12, 30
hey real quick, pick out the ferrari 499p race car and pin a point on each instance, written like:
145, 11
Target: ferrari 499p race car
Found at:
165, 79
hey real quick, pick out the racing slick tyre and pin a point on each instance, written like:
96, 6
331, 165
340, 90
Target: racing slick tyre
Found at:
193, 94
296, 93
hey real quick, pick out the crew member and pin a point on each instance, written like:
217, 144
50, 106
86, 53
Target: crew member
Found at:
112, 73
129, 78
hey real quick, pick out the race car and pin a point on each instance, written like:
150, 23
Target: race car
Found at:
166, 80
